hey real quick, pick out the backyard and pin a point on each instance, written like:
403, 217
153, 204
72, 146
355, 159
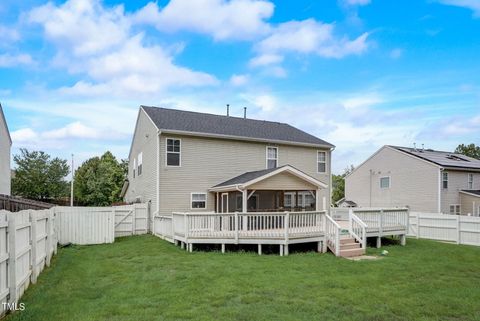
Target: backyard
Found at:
145, 278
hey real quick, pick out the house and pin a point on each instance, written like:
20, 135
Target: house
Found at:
344, 203
5, 147
424, 180
189, 161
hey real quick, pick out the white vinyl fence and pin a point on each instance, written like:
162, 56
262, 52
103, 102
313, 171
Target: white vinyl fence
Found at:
445, 227
27, 244
97, 225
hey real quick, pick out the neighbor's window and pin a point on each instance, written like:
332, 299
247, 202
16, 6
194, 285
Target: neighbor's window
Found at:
199, 200
134, 166
173, 152
140, 163
385, 182
455, 209
321, 162
470, 181
445, 180
272, 157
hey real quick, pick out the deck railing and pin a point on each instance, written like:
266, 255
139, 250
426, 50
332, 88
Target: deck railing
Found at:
358, 229
383, 220
332, 235
253, 225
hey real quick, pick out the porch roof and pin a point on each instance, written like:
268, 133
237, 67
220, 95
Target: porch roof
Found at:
249, 178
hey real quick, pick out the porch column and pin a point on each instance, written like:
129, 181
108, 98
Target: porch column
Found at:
244, 200
317, 200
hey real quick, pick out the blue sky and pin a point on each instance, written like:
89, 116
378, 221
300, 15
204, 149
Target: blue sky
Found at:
357, 73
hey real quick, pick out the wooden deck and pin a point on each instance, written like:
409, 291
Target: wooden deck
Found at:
284, 228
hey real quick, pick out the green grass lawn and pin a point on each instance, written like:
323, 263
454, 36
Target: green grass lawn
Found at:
145, 278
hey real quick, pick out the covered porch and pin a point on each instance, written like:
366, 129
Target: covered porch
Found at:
272, 190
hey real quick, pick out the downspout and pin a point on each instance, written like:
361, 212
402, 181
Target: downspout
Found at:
439, 204
330, 183
157, 204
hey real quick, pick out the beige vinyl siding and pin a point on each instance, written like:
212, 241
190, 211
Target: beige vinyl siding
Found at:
470, 204
413, 182
145, 142
206, 162
457, 181
4, 158
282, 181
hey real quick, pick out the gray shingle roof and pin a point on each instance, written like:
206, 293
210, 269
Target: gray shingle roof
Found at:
444, 159
476, 192
246, 177
180, 120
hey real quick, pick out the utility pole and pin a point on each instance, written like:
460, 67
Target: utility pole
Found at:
71, 186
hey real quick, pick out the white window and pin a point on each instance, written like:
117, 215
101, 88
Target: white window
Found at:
445, 180
455, 209
272, 157
321, 162
173, 152
289, 200
470, 181
199, 200
238, 203
134, 166
140, 163
385, 182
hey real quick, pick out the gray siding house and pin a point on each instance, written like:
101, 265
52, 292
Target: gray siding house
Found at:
190, 161
425, 180
5, 147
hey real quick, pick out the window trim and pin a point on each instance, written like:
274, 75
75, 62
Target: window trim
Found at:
140, 164
455, 207
470, 182
266, 156
443, 180
191, 200
389, 182
325, 161
179, 153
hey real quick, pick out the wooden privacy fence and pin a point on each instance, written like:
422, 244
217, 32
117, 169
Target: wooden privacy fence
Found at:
27, 244
15, 204
444, 227
97, 225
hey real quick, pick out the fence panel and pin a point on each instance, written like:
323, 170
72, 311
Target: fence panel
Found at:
131, 220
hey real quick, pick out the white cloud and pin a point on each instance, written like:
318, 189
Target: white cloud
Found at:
23, 135
267, 103
473, 5
9, 34
8, 60
235, 19
310, 37
239, 80
265, 59
100, 43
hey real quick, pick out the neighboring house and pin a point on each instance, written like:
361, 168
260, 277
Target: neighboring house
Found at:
5, 147
345, 203
190, 161
423, 179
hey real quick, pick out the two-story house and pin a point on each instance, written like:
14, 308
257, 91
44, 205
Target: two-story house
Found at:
425, 180
5, 149
190, 161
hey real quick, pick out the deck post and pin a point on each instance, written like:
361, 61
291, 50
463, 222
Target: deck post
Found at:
281, 249
286, 249
319, 247
259, 249
403, 239
380, 223
182, 245
324, 246
379, 242
236, 227
223, 247
190, 247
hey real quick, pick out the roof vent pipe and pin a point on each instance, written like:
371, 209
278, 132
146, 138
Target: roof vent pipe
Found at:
415, 147
228, 110
423, 147
244, 112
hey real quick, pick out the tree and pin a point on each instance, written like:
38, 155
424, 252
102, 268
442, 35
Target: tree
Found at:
338, 184
470, 150
99, 180
39, 177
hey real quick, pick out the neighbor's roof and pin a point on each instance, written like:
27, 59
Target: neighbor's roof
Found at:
247, 177
2, 118
444, 159
229, 127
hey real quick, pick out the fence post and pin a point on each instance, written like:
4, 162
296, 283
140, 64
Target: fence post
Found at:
12, 258
134, 220
54, 232
418, 225
48, 240
33, 246
459, 237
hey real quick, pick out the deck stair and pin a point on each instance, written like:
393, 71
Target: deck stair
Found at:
350, 248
